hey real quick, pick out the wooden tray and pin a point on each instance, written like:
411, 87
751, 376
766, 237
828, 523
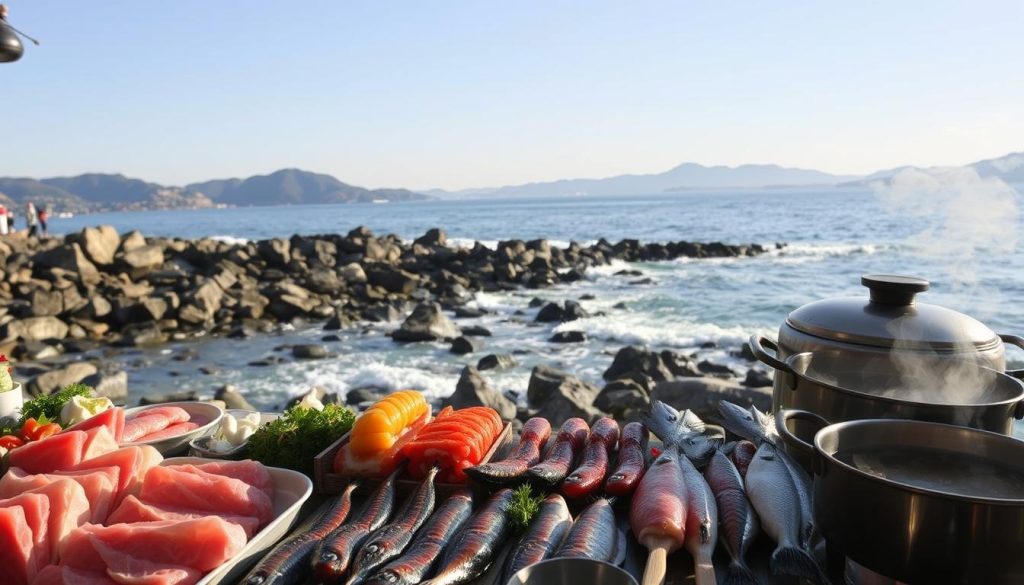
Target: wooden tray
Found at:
327, 482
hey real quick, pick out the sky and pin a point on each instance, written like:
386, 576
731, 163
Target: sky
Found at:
457, 94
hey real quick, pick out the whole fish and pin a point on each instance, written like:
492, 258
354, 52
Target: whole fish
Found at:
543, 537
512, 469
682, 429
288, 562
425, 550
388, 542
569, 442
632, 461
333, 556
657, 512
739, 524
468, 556
742, 454
594, 535
589, 474
701, 522
774, 495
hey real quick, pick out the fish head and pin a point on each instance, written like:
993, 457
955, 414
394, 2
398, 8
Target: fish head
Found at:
697, 447
741, 421
662, 420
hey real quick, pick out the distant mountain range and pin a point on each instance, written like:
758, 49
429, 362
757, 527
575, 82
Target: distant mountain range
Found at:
95, 192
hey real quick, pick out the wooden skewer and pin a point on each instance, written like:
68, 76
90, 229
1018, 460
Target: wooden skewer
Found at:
657, 560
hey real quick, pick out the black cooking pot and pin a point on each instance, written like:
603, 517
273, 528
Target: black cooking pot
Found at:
11, 48
920, 502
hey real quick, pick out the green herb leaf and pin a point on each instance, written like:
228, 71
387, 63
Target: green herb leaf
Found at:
523, 507
293, 440
49, 406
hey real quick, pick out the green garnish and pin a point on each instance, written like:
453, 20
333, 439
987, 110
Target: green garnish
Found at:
49, 406
293, 440
523, 507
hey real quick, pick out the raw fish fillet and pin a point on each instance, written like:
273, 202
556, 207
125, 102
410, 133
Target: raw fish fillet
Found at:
198, 490
78, 577
132, 509
98, 441
60, 451
133, 461
251, 472
17, 551
50, 575
174, 430
35, 510
69, 509
140, 572
112, 418
152, 420
201, 544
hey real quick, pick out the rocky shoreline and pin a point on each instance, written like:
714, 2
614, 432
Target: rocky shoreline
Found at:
97, 288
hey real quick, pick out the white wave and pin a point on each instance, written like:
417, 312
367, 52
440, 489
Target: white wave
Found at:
639, 329
609, 269
470, 242
232, 240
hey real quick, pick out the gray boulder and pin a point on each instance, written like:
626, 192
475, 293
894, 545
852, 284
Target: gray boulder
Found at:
276, 252
496, 362
50, 382
465, 345
232, 398
143, 260
46, 303
569, 337
310, 351
757, 379
99, 244
393, 279
34, 329
623, 399
71, 259
558, 396
473, 390
113, 385
637, 359
352, 273
426, 323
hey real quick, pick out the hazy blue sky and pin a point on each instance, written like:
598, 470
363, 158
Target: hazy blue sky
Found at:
456, 94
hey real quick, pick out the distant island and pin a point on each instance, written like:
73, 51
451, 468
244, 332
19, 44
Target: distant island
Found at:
104, 192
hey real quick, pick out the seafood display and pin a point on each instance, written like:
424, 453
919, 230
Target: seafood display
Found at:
513, 468
593, 467
658, 512
739, 524
453, 441
594, 535
543, 537
378, 435
568, 444
632, 461
475, 544
701, 533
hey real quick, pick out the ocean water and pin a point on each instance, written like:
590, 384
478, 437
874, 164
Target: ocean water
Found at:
973, 260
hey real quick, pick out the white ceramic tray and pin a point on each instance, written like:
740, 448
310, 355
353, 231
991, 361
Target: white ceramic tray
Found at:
179, 444
291, 490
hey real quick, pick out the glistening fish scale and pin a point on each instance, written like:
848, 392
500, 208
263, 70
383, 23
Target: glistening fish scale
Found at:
543, 537
593, 467
570, 440
467, 557
593, 534
512, 469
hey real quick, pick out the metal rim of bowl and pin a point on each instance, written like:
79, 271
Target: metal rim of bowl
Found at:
527, 570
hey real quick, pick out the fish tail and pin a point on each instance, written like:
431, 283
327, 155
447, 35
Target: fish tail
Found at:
739, 573
795, 561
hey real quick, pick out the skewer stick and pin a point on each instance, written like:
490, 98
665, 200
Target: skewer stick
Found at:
705, 574
657, 561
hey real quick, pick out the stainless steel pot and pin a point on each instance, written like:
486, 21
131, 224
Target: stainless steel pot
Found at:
839, 388
922, 502
570, 571
889, 320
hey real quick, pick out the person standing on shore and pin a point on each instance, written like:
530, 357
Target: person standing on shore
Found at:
3, 220
43, 216
31, 219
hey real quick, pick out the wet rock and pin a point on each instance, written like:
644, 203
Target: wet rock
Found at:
476, 331
496, 362
537, 302
307, 351
620, 305
142, 336
34, 329
276, 252
393, 279
50, 382
702, 395
267, 361
641, 281
339, 320
473, 390
183, 396
552, 313
232, 398
469, 313
210, 370
569, 337
132, 240
587, 297
466, 345
318, 392
637, 359
32, 351
623, 399
352, 273
757, 379
714, 369
141, 261
426, 323
680, 365
558, 396
70, 259
363, 395
99, 244
46, 303
113, 385
435, 237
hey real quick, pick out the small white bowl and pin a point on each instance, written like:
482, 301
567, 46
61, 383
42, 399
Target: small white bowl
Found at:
179, 444
200, 446
11, 402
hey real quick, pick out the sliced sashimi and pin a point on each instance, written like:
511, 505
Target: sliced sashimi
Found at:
79, 577
132, 510
152, 420
198, 490
57, 452
251, 472
112, 418
174, 430
50, 575
100, 485
17, 550
140, 572
98, 441
69, 509
201, 544
174, 414
36, 513
133, 461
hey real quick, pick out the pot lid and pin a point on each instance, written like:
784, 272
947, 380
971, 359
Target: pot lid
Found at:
890, 317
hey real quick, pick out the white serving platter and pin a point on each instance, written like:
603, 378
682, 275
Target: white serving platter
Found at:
291, 490
179, 444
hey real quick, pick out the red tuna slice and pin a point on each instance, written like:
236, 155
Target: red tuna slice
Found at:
133, 461
251, 472
151, 420
78, 551
100, 487
202, 544
132, 509
16, 547
69, 509
98, 441
112, 418
35, 509
198, 490
174, 430
78, 577
60, 451
139, 572
50, 575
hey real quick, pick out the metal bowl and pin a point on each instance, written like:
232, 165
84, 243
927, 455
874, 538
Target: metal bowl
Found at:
572, 572
200, 446
206, 413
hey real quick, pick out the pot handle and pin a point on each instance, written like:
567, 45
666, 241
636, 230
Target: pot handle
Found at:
1012, 340
1018, 410
757, 345
792, 441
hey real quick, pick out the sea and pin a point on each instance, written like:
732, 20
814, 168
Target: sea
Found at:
964, 241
